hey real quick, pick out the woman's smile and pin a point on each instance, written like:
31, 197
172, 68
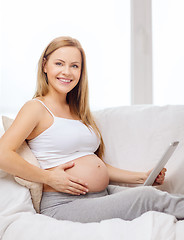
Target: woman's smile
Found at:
64, 80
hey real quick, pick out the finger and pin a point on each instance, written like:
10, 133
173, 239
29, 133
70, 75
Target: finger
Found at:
78, 181
67, 165
162, 173
76, 191
160, 179
78, 187
157, 182
71, 192
161, 176
164, 170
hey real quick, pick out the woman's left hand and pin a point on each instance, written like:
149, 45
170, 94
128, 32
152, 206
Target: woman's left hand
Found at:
160, 178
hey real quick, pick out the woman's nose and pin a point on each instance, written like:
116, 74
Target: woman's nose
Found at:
66, 70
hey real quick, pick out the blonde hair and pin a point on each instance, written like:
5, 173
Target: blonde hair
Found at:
78, 97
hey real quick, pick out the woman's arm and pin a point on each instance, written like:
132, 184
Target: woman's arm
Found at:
26, 120
11, 162
117, 175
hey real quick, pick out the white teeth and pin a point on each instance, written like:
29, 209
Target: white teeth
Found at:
64, 80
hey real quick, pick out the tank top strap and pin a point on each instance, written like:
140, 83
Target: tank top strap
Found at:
44, 106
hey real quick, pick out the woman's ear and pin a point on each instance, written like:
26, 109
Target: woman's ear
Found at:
44, 65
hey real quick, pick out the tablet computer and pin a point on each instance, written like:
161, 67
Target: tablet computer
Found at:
160, 165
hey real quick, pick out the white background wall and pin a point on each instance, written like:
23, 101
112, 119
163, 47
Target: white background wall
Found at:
103, 28
168, 51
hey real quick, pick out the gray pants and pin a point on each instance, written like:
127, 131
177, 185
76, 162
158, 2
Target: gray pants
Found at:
126, 204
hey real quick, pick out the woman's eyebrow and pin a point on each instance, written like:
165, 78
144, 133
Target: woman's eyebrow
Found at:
64, 61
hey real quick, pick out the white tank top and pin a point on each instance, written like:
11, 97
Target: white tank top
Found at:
64, 141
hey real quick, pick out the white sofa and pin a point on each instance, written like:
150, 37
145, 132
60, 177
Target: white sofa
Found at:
135, 138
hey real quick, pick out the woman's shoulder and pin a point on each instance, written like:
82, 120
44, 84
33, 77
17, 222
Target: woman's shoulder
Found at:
32, 104
24, 123
31, 109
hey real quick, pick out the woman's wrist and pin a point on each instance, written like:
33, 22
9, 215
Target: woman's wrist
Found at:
46, 177
141, 177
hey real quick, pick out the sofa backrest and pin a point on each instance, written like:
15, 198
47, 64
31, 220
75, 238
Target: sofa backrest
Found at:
136, 137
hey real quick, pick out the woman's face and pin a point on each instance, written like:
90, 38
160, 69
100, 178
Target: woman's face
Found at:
63, 69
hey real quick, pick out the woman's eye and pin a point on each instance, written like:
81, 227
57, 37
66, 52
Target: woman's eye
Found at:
75, 66
58, 63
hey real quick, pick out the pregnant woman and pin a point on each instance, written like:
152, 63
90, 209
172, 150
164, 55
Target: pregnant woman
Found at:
62, 134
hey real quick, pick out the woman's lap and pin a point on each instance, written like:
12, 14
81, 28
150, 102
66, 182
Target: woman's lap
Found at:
94, 207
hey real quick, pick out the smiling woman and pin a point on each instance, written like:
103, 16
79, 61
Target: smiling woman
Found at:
63, 70
61, 132
63, 66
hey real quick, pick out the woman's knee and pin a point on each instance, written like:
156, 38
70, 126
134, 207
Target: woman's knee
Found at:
148, 192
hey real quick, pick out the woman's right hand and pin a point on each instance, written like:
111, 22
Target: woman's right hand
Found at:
63, 182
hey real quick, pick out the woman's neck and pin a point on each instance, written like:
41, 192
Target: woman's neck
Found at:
56, 99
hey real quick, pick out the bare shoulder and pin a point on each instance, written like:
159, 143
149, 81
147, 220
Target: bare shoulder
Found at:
26, 120
30, 113
31, 106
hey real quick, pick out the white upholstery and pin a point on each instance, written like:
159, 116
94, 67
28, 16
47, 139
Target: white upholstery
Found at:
25, 152
135, 138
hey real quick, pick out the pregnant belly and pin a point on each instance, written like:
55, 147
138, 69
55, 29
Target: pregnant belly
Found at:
92, 170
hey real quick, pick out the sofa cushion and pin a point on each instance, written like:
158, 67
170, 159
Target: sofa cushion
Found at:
25, 152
